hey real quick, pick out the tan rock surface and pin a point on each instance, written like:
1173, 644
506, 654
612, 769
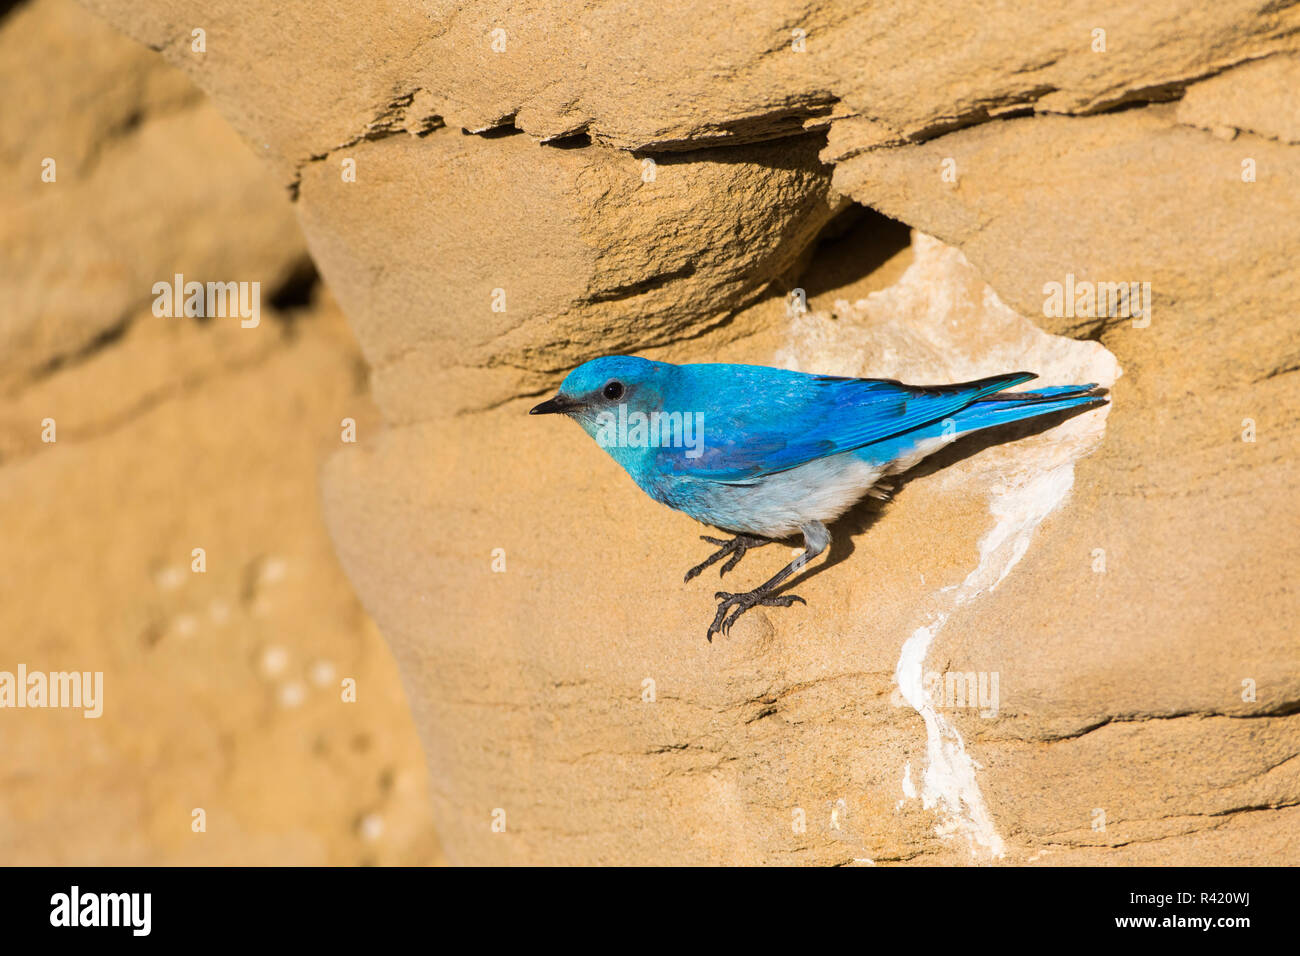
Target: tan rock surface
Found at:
491, 291
304, 76
1261, 97
1128, 586
125, 209
221, 689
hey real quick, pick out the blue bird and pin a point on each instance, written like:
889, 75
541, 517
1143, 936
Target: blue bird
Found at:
764, 452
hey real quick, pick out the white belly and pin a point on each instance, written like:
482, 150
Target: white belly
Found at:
776, 506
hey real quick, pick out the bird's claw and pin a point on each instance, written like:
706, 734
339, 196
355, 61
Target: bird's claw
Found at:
732, 605
735, 547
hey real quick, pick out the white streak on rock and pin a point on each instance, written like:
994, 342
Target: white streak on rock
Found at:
949, 783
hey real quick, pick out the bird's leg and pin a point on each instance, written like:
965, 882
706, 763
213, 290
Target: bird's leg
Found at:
815, 540
736, 547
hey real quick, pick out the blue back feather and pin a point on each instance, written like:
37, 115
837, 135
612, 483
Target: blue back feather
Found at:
759, 421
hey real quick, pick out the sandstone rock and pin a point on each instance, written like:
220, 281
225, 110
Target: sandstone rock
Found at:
221, 687
1260, 97
193, 718
302, 78
128, 206
531, 259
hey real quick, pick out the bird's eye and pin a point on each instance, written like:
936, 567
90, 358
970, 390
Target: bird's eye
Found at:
614, 391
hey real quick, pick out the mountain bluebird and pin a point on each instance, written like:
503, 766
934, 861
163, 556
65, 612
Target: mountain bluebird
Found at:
765, 452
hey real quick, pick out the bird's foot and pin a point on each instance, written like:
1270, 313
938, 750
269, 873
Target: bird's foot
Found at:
731, 606
736, 547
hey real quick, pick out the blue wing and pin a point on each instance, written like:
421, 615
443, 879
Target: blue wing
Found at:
759, 421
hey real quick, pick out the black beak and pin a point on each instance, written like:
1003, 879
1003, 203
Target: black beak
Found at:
555, 406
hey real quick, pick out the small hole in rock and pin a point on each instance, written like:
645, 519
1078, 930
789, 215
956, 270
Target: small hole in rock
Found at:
575, 141
496, 132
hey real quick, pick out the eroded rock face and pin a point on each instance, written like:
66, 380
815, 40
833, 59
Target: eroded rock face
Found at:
305, 76
102, 140
1141, 637
221, 672
522, 257
1260, 97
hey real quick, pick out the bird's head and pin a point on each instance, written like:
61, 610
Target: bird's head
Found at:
603, 384
606, 393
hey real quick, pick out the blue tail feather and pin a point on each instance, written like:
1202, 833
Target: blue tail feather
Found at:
1040, 394
987, 414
